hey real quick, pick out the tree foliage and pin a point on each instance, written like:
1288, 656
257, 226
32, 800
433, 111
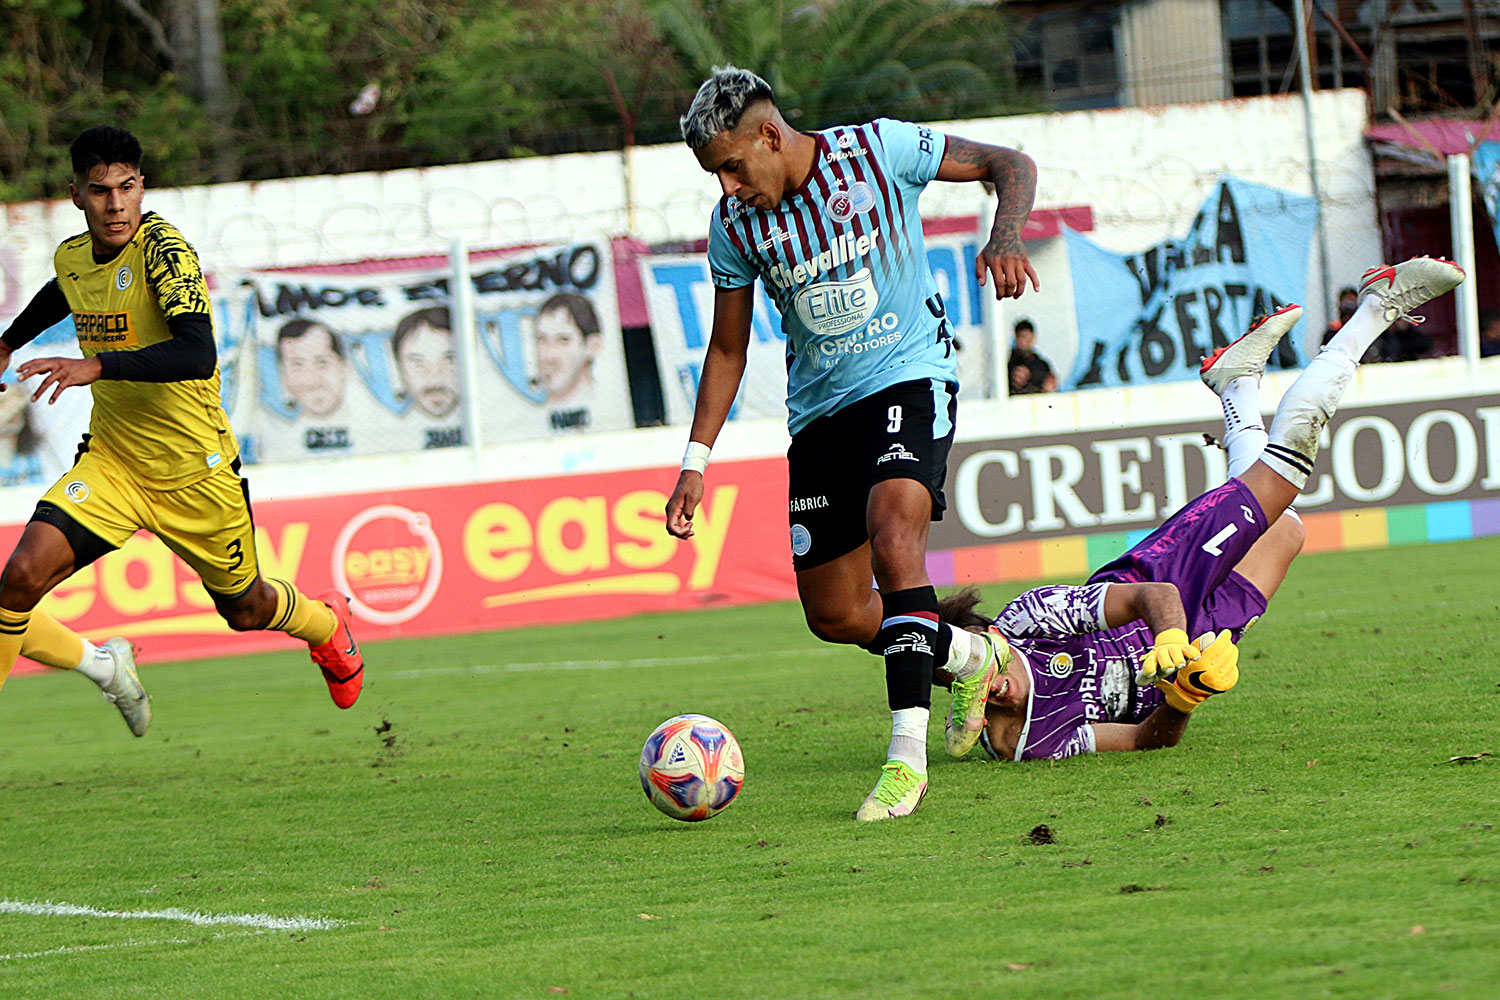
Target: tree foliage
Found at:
457, 81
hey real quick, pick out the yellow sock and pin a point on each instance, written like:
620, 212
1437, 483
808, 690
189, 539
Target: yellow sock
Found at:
300, 616
51, 643
12, 633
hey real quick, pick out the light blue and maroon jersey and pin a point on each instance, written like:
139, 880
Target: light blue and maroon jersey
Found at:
843, 259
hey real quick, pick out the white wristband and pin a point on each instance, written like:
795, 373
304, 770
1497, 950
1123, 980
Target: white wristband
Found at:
695, 459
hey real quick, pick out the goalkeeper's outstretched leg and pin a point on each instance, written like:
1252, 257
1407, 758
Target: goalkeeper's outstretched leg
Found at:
1387, 294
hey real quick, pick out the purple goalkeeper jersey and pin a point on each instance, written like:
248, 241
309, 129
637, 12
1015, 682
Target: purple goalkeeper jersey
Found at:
1082, 672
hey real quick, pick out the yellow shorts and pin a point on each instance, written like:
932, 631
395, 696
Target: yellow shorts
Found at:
207, 524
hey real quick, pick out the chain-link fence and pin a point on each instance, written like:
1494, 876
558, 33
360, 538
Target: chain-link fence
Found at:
346, 325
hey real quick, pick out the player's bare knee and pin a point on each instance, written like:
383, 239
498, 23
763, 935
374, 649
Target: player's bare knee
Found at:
897, 551
1294, 533
25, 581
833, 626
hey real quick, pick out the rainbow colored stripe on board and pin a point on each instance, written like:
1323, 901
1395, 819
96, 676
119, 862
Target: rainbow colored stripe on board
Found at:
1073, 556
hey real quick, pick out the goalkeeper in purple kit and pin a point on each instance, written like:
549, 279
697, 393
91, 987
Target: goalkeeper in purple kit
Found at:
1121, 662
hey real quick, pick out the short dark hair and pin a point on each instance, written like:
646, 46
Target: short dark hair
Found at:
104, 144
436, 317
578, 307
298, 328
720, 103
1024, 324
1487, 317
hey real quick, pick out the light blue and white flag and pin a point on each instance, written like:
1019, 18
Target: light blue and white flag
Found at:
1153, 315
1486, 165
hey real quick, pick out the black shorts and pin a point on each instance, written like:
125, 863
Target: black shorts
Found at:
901, 432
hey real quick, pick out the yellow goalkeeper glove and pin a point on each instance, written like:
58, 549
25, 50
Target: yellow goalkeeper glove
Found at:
1214, 672
1170, 651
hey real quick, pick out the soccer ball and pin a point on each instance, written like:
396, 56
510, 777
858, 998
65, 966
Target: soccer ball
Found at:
691, 767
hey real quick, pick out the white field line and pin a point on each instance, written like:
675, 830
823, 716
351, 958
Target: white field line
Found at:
69, 949
51, 909
650, 661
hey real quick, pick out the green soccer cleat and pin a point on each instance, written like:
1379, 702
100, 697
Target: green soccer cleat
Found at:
125, 691
897, 793
966, 713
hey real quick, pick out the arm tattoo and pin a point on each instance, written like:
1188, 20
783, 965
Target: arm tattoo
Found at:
1014, 177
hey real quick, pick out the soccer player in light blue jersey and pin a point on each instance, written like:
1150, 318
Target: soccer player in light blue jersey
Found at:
828, 222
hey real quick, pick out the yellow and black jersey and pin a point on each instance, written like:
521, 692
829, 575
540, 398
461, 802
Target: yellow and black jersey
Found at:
169, 434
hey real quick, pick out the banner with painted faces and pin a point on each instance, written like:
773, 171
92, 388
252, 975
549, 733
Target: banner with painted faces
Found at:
1153, 315
363, 358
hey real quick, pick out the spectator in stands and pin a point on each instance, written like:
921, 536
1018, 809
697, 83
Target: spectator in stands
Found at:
1404, 341
1348, 302
1029, 371
1489, 332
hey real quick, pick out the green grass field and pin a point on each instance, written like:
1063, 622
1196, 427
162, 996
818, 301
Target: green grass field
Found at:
474, 827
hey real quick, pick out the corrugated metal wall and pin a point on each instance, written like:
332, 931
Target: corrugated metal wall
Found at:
1171, 51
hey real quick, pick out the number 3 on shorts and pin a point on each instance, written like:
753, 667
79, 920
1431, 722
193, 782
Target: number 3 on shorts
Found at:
236, 555
893, 422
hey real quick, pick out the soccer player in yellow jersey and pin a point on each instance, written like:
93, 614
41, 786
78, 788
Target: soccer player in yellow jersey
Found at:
159, 454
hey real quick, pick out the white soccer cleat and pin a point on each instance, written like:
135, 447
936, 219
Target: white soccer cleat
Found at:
1247, 355
125, 691
1404, 286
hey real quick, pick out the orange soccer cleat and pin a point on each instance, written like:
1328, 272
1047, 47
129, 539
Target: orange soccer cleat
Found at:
339, 658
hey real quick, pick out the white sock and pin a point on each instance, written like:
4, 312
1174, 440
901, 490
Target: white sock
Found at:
968, 654
97, 665
1303, 412
1355, 337
909, 738
1244, 431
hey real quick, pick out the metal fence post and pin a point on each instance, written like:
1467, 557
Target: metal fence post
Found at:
465, 333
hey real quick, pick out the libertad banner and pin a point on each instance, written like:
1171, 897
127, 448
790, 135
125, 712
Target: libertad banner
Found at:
1154, 314
361, 358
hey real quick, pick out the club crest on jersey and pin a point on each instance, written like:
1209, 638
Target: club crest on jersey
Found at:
1060, 665
844, 205
801, 540
77, 490
123, 277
